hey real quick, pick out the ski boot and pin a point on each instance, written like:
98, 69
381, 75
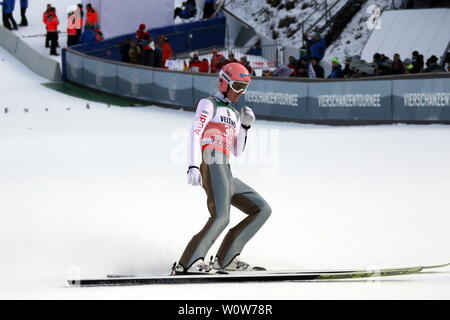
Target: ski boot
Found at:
236, 265
199, 267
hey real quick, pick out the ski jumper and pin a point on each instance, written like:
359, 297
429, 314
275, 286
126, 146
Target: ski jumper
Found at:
215, 134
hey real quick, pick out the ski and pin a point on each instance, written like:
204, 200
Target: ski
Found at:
250, 276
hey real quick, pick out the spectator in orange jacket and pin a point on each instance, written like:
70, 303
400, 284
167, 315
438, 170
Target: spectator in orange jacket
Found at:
44, 20
167, 52
52, 23
72, 22
91, 15
80, 17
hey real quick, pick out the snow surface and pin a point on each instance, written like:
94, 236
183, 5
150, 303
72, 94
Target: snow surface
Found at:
86, 192
104, 190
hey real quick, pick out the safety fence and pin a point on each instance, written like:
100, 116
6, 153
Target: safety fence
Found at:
422, 98
42, 65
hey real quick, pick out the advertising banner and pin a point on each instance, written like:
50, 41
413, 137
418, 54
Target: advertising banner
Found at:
135, 82
100, 75
421, 99
350, 100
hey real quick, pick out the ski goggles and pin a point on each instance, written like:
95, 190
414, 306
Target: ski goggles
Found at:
238, 86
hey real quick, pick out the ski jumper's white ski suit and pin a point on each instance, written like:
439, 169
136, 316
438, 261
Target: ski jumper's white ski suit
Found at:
216, 133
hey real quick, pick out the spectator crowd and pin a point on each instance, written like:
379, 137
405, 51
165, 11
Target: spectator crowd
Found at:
76, 34
145, 50
76, 18
308, 65
83, 26
216, 63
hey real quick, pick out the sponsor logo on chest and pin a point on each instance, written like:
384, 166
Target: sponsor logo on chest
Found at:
228, 120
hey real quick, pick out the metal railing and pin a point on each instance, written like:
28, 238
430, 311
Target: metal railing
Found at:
327, 6
260, 56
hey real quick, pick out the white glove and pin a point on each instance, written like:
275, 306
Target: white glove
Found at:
194, 177
247, 116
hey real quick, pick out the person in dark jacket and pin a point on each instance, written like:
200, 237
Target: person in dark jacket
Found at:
208, 9
347, 72
134, 53
433, 66
187, 11
316, 46
397, 65
147, 56
23, 11
417, 62
302, 68
336, 71
124, 49
7, 14
244, 61
157, 63
320, 73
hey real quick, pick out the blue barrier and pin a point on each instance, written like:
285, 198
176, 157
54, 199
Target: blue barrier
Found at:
421, 98
182, 38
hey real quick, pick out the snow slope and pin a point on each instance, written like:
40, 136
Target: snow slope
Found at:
90, 191
355, 35
280, 20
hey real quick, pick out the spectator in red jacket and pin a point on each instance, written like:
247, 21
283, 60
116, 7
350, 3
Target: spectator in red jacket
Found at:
141, 33
52, 23
91, 15
194, 62
167, 52
214, 66
204, 66
222, 62
98, 34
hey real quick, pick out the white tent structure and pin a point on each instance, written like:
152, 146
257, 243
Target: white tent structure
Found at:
403, 31
119, 17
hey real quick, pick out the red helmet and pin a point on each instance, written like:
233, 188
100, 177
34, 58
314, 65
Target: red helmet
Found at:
235, 76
